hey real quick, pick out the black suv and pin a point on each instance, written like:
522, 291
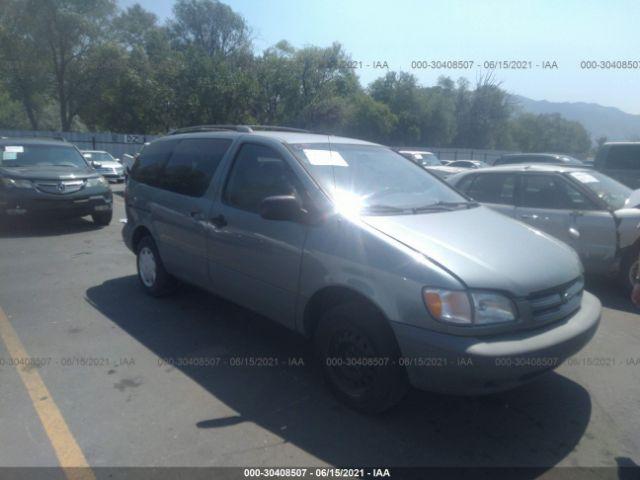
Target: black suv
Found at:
620, 160
50, 178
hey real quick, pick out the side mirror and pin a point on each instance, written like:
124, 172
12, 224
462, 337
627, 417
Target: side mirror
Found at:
95, 164
281, 207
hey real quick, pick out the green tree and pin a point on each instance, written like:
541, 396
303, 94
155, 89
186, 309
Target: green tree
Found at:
12, 114
211, 27
137, 92
370, 120
549, 133
483, 115
23, 58
70, 30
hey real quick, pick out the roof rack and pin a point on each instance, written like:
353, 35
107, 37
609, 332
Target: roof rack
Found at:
276, 128
236, 128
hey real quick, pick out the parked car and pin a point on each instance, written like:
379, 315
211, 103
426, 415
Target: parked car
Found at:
553, 158
467, 164
398, 278
50, 178
127, 162
422, 158
586, 209
106, 165
620, 160
430, 162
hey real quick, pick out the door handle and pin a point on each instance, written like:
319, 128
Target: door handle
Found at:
197, 215
218, 221
526, 216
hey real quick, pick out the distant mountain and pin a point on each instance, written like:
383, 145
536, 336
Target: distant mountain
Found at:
599, 121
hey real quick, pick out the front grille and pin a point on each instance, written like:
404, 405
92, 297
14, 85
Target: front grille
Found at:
557, 303
61, 187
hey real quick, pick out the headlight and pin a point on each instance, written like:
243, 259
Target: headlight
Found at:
468, 308
16, 183
97, 182
448, 305
492, 308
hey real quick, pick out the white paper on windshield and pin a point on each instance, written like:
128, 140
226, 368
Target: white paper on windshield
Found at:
325, 158
14, 148
86, 155
584, 177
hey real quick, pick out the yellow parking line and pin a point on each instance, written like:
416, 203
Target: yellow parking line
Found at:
69, 455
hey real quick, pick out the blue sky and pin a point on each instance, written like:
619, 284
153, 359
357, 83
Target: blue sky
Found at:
401, 31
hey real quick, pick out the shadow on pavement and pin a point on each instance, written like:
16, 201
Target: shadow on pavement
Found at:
536, 425
43, 227
611, 294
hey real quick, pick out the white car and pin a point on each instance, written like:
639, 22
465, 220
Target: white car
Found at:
467, 164
104, 163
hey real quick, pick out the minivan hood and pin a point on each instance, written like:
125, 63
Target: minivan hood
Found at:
485, 249
45, 172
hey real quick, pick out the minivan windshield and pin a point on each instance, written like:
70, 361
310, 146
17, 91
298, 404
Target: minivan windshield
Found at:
375, 180
41, 155
610, 191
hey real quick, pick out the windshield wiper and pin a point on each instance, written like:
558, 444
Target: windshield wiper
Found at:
380, 208
437, 206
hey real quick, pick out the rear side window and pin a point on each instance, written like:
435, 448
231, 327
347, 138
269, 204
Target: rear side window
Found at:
623, 157
193, 164
148, 167
493, 188
259, 172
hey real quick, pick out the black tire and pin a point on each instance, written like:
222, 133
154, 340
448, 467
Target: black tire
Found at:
628, 270
102, 218
358, 331
161, 283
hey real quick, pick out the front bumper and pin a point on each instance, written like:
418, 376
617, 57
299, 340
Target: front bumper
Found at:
31, 203
468, 365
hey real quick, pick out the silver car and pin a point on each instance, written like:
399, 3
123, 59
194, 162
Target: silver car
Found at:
396, 277
106, 165
586, 209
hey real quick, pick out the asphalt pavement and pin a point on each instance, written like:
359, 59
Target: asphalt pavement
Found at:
132, 380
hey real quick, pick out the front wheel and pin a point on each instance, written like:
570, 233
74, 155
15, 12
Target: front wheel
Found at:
155, 280
102, 218
629, 271
358, 356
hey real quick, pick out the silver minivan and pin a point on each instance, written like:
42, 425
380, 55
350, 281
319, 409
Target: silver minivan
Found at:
398, 279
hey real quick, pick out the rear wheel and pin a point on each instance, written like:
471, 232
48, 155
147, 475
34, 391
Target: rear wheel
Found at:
358, 357
102, 218
155, 280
